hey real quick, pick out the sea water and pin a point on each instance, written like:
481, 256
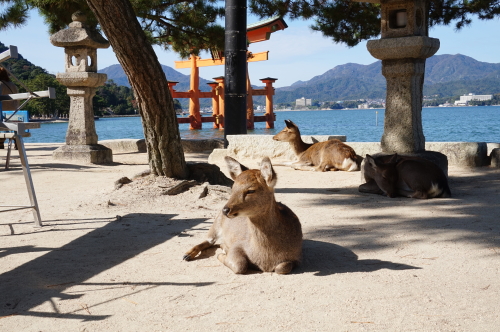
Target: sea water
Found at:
440, 124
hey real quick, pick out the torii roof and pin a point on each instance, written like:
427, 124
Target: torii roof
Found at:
261, 30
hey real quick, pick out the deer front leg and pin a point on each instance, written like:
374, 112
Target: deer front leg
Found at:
284, 267
370, 187
235, 259
191, 254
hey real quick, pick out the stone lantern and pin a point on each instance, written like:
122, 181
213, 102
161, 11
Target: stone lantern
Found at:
403, 48
80, 46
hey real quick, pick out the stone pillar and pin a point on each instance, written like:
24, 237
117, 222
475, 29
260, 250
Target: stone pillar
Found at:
403, 65
81, 78
403, 48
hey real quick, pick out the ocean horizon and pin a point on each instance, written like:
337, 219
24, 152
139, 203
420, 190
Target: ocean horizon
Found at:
440, 124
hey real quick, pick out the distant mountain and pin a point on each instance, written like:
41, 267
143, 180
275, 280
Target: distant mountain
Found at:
349, 81
117, 74
447, 68
445, 75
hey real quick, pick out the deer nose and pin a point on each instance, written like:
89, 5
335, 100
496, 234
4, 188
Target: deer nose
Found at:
225, 210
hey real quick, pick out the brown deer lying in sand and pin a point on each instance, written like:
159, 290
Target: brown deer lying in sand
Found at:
253, 229
331, 155
412, 177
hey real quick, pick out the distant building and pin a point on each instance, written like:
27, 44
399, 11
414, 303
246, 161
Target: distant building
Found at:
363, 106
302, 102
464, 100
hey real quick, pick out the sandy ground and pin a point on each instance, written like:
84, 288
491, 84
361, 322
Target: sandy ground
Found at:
111, 260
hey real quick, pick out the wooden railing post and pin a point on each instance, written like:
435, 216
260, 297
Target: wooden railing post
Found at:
269, 101
215, 103
220, 92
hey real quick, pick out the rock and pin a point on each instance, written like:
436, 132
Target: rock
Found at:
180, 188
204, 172
121, 181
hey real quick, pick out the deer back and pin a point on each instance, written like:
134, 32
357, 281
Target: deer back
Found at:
333, 152
406, 176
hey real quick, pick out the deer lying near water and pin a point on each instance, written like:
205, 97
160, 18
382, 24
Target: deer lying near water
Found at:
412, 177
253, 229
331, 155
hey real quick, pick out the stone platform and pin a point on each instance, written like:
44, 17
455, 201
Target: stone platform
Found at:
463, 154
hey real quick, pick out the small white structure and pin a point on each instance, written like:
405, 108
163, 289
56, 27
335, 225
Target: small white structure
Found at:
464, 100
302, 102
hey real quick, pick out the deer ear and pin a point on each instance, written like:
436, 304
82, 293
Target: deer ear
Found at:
289, 123
267, 171
371, 161
235, 168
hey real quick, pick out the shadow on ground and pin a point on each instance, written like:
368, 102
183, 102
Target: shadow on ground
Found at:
32, 284
324, 258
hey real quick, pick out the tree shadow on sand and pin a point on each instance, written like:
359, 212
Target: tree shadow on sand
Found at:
48, 276
324, 258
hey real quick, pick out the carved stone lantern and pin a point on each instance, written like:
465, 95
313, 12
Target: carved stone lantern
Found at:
80, 46
403, 48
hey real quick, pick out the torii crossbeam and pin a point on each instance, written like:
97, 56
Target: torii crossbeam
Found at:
256, 32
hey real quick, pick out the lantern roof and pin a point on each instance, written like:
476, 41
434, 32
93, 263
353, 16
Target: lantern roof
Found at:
79, 34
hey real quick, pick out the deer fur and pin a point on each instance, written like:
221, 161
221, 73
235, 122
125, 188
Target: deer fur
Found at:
253, 229
413, 177
331, 155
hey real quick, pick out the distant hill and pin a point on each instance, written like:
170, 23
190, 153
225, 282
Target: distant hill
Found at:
445, 75
117, 74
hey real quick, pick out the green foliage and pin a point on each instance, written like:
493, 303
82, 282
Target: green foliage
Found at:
46, 106
186, 27
331, 105
14, 15
350, 22
36, 78
114, 99
351, 103
177, 106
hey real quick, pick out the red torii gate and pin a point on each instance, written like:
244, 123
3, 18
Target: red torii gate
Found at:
256, 32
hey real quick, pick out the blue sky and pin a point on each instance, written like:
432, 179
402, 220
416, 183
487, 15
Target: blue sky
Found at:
296, 53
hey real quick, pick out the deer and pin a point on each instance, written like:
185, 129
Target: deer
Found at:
412, 177
253, 230
331, 155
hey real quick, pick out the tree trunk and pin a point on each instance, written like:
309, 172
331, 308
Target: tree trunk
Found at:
138, 59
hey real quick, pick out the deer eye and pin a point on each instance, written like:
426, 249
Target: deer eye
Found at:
250, 191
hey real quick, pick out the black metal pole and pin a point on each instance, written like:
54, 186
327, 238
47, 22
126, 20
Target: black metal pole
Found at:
235, 77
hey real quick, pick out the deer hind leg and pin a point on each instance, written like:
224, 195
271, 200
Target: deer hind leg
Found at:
419, 194
191, 254
327, 168
303, 166
284, 267
235, 259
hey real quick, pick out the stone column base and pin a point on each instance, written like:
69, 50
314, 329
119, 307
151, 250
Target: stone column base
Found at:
84, 154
